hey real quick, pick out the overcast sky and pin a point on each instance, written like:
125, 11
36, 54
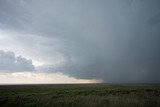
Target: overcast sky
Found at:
114, 41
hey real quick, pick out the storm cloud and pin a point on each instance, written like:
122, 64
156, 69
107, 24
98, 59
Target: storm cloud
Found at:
112, 40
9, 62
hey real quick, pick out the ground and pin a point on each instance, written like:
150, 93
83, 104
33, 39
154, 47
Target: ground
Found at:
80, 95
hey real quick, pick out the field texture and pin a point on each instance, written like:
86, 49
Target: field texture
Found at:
80, 95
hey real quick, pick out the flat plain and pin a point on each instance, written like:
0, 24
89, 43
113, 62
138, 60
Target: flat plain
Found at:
80, 95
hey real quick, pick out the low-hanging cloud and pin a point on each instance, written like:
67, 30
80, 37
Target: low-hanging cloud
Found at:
9, 62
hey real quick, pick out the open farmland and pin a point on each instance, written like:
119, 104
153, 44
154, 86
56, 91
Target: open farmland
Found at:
80, 95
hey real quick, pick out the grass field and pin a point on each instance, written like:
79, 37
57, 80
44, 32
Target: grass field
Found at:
80, 95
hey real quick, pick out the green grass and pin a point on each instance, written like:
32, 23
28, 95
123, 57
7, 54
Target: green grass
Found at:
80, 95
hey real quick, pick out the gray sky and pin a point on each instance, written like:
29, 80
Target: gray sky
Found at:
109, 40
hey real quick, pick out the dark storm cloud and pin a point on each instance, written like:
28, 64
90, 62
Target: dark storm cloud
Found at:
155, 19
117, 41
12, 14
9, 62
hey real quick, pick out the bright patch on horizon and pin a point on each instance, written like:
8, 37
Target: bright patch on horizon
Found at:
40, 78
